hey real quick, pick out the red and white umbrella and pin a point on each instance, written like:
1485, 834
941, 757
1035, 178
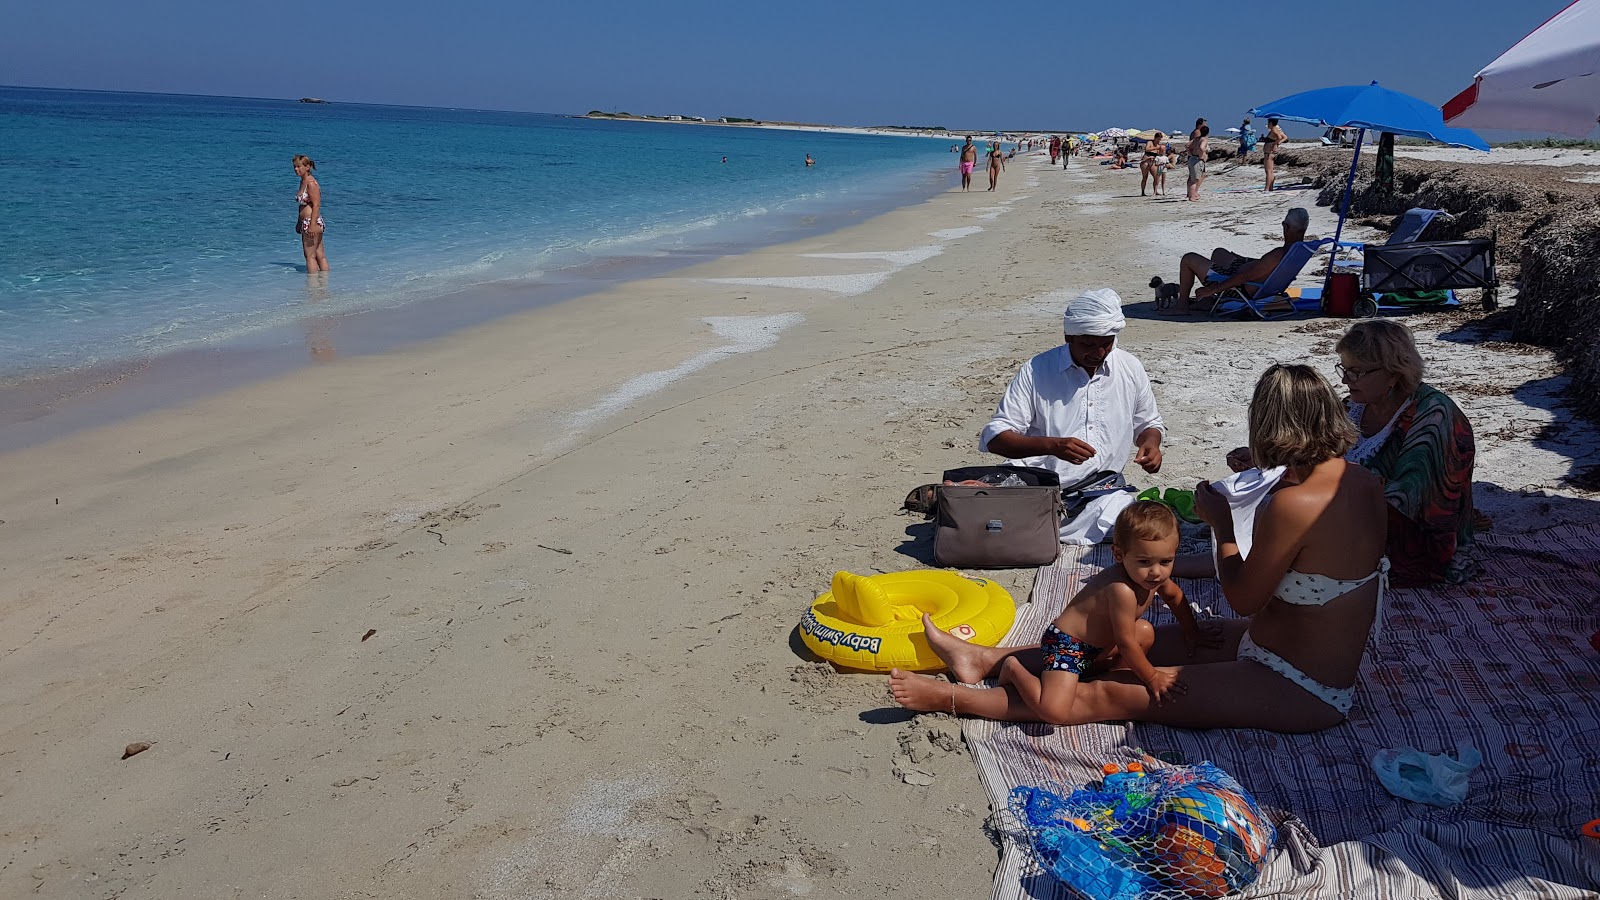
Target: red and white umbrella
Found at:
1549, 81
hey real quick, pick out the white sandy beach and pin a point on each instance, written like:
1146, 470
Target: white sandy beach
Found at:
581, 539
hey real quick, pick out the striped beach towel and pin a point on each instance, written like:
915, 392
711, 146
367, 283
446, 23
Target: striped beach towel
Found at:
1503, 663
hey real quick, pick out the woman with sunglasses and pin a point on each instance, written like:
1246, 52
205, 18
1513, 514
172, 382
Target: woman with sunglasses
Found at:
1414, 437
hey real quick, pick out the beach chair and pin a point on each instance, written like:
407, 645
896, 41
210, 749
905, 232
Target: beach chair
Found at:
1412, 225
1415, 221
1254, 297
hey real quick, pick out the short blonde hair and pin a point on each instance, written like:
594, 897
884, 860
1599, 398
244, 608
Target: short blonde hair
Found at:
302, 158
1387, 345
1296, 419
1143, 520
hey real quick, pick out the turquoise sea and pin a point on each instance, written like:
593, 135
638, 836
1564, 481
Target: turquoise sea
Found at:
136, 224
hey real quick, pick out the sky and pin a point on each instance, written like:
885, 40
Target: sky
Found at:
1022, 65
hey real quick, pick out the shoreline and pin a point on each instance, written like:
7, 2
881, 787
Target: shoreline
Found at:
39, 407
581, 539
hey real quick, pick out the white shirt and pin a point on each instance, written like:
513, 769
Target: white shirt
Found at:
1054, 397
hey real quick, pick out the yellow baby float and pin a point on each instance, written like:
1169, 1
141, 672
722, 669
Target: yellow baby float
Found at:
874, 622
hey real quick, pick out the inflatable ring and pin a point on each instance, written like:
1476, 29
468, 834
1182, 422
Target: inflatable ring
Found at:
1592, 829
875, 622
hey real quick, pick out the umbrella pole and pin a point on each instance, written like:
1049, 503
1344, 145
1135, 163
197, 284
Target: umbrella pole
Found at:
1344, 210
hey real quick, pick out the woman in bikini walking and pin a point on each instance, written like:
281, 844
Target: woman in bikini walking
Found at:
308, 221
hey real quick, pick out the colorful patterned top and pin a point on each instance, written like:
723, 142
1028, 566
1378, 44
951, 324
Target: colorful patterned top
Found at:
1427, 466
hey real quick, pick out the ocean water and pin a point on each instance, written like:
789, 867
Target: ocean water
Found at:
134, 224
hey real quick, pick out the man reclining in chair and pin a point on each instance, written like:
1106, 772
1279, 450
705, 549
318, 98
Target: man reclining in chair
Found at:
1232, 270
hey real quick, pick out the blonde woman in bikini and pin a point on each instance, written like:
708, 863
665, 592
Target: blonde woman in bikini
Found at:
308, 223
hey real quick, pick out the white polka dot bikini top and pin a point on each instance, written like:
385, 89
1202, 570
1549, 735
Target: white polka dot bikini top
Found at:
1311, 589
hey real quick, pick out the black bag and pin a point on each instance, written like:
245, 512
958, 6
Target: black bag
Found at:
1076, 496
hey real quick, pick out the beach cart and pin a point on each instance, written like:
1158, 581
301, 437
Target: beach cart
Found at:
1394, 271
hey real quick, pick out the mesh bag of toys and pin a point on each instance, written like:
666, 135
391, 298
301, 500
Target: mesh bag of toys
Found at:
1161, 834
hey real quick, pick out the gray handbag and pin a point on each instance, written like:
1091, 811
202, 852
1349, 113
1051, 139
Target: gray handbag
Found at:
980, 527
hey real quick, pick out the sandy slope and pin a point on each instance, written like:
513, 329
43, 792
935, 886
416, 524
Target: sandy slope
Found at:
582, 538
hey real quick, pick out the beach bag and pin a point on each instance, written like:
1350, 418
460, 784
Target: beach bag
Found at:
1011, 520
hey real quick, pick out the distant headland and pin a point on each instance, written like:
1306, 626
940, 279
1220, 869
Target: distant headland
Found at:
919, 130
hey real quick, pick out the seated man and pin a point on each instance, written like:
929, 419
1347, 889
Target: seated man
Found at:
1224, 269
1079, 409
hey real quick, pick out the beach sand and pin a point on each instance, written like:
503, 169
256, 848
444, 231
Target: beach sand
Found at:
510, 614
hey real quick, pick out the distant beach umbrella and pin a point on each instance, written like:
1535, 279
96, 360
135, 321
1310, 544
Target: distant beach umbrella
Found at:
1114, 133
1549, 81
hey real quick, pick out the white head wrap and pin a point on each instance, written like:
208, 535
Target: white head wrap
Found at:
1096, 313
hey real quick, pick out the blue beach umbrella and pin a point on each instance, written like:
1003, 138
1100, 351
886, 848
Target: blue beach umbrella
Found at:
1367, 108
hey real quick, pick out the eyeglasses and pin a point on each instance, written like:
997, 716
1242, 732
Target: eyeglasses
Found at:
1347, 375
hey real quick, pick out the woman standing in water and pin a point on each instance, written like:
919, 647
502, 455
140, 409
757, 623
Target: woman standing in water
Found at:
309, 224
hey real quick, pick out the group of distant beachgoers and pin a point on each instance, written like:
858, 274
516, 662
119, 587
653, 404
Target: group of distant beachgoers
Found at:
1157, 158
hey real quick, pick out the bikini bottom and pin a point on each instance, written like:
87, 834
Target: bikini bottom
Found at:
1340, 699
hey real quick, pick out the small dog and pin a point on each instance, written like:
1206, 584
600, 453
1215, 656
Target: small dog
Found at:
1166, 294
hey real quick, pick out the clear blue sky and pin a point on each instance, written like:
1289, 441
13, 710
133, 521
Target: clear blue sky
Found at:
1028, 64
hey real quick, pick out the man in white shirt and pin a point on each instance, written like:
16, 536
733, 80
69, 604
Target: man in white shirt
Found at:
1081, 408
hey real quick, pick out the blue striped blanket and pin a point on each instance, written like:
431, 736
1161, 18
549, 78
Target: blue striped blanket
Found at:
1503, 662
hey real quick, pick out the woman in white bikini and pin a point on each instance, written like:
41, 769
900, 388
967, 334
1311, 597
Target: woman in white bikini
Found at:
1163, 162
1311, 587
308, 222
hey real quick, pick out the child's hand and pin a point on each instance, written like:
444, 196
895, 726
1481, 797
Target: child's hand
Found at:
1164, 683
1204, 635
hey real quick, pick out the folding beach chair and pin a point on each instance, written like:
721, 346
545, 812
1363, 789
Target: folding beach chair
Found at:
1415, 221
1412, 225
1254, 297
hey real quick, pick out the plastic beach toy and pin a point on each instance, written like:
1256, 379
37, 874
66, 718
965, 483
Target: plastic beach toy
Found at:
875, 622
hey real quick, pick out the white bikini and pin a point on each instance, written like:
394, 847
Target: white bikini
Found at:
1303, 589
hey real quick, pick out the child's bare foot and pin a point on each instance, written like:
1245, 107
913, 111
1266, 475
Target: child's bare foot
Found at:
921, 693
966, 661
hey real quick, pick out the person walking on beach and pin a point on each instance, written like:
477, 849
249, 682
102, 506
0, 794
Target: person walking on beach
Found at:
969, 161
1151, 163
1163, 162
308, 224
1269, 146
1199, 149
1247, 140
1055, 149
996, 161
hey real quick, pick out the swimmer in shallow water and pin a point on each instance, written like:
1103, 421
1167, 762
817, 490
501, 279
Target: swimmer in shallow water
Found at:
308, 222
